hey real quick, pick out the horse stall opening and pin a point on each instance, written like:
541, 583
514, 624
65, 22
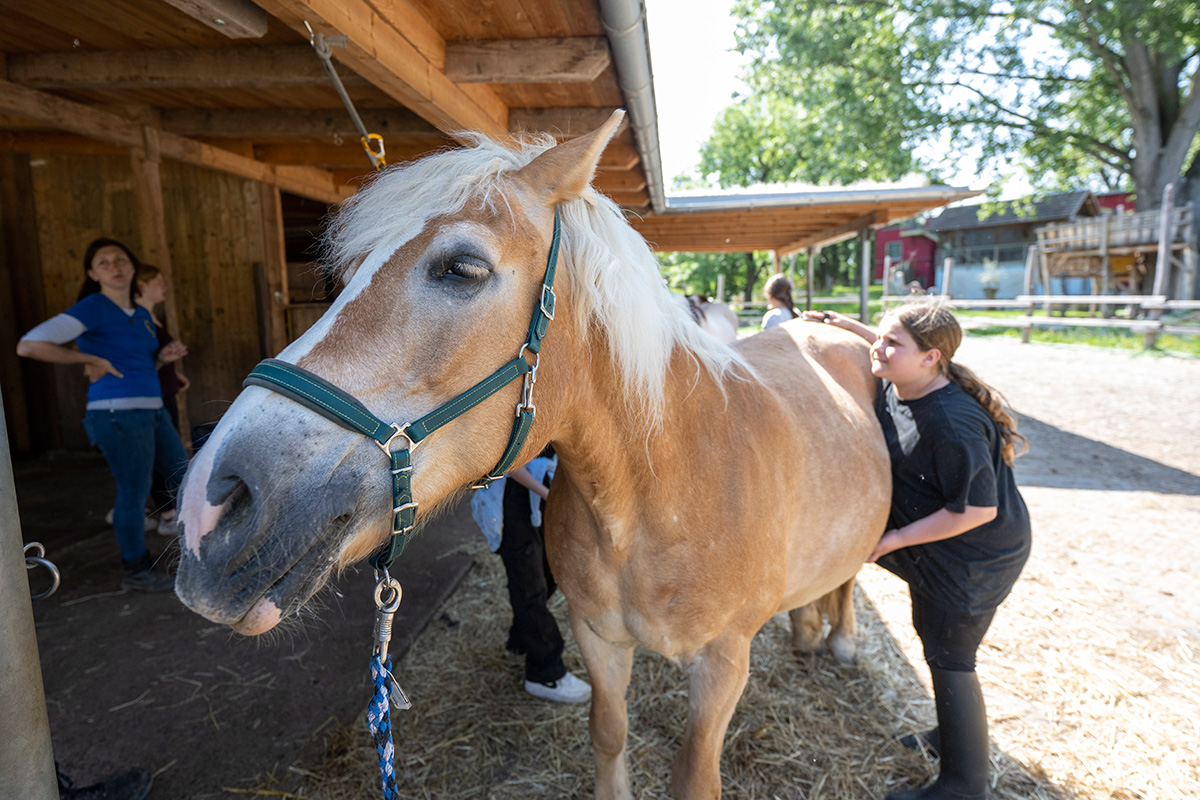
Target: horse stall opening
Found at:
227, 242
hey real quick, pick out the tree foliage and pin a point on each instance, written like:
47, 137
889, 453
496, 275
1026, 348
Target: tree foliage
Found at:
1098, 92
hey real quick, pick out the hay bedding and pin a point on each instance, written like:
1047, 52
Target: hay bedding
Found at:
1091, 670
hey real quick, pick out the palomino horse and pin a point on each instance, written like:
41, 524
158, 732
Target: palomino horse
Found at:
701, 488
714, 316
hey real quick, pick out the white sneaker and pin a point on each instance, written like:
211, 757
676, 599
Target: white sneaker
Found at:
567, 689
148, 523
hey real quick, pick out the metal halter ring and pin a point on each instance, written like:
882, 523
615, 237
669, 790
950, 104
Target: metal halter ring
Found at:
387, 583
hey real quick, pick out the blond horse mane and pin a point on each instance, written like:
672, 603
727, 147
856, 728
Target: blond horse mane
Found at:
615, 280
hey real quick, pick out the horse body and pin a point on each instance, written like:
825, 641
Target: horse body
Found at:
701, 488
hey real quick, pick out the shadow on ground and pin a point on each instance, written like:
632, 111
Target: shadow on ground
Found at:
1059, 459
135, 679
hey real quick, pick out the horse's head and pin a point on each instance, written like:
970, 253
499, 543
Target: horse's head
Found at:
442, 262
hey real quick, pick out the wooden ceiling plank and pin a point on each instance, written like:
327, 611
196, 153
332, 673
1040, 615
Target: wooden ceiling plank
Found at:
838, 232
291, 65
84, 120
564, 123
237, 19
561, 60
611, 180
381, 54
255, 123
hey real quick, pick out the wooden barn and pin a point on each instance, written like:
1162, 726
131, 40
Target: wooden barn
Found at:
210, 137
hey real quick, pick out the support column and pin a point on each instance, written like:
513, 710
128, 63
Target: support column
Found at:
809, 276
864, 278
1031, 261
26, 757
271, 277
147, 189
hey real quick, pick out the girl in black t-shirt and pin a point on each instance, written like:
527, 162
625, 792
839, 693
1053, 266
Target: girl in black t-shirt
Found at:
959, 531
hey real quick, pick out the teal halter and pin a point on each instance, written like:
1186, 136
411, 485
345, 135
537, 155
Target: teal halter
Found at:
329, 401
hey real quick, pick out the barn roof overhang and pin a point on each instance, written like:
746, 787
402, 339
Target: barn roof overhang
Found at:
786, 222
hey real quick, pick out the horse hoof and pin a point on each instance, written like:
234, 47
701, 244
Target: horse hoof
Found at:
844, 652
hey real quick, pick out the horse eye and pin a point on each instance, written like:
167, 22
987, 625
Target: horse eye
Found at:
465, 268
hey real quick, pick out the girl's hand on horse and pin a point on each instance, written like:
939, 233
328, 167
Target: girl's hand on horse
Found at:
95, 370
819, 316
887, 543
841, 321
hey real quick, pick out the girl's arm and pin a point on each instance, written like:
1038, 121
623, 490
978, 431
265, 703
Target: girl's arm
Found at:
941, 524
57, 354
526, 479
841, 321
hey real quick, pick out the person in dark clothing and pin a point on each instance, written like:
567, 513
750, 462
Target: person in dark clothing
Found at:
958, 532
518, 537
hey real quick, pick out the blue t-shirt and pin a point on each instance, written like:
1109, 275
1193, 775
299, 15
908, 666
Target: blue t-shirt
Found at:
128, 342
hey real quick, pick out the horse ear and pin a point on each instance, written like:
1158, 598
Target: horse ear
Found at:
564, 171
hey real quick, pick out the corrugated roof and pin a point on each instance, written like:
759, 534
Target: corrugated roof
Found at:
1054, 208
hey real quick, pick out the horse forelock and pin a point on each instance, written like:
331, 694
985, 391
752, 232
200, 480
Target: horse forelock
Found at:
615, 281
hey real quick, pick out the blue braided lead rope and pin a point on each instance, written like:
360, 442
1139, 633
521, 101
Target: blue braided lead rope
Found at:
379, 721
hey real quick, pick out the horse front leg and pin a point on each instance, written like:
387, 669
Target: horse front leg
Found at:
717, 677
609, 668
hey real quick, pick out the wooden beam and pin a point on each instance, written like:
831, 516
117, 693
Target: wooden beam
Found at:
398, 66
237, 19
579, 59
348, 155
90, 122
838, 232
148, 199
270, 275
619, 156
218, 68
245, 123
611, 180
564, 123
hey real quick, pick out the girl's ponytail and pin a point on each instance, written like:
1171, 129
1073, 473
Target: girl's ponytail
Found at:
1012, 443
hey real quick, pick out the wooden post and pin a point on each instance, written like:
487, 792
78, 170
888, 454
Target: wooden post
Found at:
26, 758
1162, 265
271, 277
1105, 267
864, 278
777, 260
147, 190
792, 268
809, 277
720, 288
947, 277
887, 282
1031, 260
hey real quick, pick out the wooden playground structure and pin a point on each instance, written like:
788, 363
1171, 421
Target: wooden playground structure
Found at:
1115, 252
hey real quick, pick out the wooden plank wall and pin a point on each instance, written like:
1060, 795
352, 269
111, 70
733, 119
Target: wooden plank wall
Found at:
215, 230
214, 226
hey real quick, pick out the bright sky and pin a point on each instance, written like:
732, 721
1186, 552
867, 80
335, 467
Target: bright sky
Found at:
696, 74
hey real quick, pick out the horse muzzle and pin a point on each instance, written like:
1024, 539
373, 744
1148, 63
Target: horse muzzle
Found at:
263, 539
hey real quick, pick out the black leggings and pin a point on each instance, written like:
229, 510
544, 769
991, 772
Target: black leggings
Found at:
950, 637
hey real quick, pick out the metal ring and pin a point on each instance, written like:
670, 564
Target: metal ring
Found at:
39, 560
387, 583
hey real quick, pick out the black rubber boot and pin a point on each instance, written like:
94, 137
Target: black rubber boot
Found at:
962, 722
929, 741
132, 785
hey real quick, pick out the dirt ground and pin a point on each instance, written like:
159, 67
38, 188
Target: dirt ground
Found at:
1091, 670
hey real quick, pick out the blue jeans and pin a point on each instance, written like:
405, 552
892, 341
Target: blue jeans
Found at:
136, 443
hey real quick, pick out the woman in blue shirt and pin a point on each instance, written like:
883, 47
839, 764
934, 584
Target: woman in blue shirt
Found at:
125, 418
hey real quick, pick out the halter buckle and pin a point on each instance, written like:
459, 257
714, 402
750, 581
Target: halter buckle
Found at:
546, 304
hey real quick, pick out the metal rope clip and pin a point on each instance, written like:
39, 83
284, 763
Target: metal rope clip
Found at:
387, 600
38, 559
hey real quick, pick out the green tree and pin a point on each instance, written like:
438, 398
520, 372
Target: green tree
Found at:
1096, 91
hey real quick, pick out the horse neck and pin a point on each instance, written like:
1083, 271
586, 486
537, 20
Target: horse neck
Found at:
605, 444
